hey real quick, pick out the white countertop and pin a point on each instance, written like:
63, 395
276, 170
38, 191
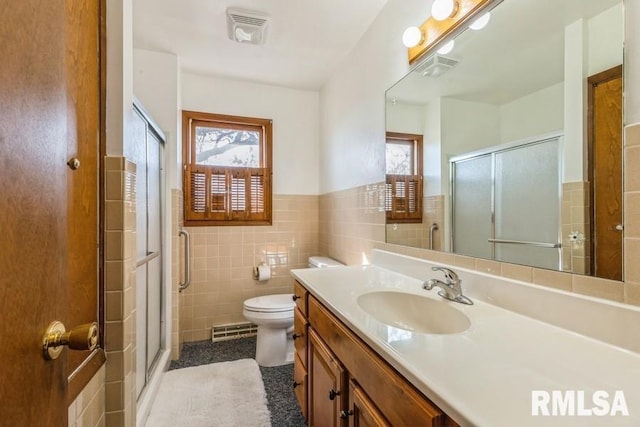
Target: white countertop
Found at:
485, 375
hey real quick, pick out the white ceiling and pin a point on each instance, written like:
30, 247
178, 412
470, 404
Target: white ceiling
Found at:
306, 39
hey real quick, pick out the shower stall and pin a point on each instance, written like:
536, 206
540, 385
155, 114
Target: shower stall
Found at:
147, 153
505, 203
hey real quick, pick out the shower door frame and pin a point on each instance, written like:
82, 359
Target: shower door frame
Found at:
493, 151
153, 127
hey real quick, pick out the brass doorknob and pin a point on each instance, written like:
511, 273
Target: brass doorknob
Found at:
83, 337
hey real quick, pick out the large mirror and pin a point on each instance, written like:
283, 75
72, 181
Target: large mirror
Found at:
509, 147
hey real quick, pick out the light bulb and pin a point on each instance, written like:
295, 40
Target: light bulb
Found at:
412, 37
442, 9
481, 22
447, 47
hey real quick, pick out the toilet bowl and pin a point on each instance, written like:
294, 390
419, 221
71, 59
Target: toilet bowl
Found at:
274, 316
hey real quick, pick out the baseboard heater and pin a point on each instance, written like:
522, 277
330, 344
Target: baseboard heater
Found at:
233, 331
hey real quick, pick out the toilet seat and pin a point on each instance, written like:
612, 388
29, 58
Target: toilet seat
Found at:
280, 303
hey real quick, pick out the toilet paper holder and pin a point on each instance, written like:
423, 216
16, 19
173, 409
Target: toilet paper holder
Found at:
262, 272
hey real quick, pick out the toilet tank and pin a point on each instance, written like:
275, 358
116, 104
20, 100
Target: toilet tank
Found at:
323, 262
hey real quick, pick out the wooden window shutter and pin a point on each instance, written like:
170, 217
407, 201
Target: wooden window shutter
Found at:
223, 194
403, 198
196, 192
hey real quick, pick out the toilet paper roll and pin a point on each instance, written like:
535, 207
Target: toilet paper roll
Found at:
262, 273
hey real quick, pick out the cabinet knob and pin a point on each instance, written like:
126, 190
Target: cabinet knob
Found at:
296, 336
346, 414
296, 384
295, 297
333, 394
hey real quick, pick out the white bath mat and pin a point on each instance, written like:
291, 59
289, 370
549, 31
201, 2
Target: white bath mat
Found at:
221, 394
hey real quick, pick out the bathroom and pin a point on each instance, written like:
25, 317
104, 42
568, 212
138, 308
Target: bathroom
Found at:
328, 179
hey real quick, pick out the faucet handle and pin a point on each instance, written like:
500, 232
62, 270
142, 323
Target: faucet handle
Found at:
450, 275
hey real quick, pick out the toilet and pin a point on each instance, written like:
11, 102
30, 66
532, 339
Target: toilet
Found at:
323, 262
274, 316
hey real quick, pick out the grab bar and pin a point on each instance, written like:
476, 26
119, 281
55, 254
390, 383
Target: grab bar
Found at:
521, 242
433, 228
187, 261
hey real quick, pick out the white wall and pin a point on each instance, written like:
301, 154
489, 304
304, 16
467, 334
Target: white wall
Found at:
295, 123
631, 62
352, 116
433, 150
605, 33
468, 126
156, 84
403, 117
534, 114
119, 114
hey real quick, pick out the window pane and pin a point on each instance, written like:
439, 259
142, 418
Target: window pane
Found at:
399, 160
227, 147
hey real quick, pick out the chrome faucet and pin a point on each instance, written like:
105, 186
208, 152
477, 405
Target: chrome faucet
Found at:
450, 289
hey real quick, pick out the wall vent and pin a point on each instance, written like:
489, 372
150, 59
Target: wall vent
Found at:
245, 26
233, 331
436, 65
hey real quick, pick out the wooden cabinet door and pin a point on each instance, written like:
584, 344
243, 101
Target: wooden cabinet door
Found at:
362, 411
327, 385
300, 384
300, 328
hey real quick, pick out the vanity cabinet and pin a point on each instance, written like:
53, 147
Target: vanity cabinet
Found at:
349, 384
327, 385
363, 412
300, 342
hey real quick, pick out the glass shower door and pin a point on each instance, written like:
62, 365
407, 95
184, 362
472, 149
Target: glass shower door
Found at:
506, 204
527, 205
472, 206
146, 153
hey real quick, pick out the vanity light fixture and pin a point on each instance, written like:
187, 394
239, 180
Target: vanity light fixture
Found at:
443, 9
481, 22
412, 36
456, 16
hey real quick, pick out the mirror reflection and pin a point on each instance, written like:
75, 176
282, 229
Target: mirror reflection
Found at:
509, 147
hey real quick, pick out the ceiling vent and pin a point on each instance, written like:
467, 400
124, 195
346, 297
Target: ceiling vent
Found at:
245, 26
436, 65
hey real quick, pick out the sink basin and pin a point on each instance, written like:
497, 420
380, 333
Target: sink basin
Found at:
414, 313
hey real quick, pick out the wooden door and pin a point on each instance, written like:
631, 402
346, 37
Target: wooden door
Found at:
49, 111
605, 172
327, 385
363, 412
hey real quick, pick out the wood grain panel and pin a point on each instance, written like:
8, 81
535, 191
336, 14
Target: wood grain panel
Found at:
33, 148
83, 143
300, 329
398, 400
605, 135
364, 412
300, 384
300, 295
326, 375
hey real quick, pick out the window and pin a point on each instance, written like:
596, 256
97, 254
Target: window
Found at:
227, 169
403, 201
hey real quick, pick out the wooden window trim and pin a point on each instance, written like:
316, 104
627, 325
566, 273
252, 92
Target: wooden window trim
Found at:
243, 176
396, 207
